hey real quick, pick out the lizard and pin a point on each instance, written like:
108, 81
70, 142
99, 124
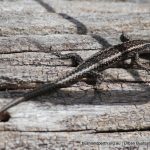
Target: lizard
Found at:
98, 62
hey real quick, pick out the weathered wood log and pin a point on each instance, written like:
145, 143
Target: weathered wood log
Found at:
74, 140
80, 116
47, 17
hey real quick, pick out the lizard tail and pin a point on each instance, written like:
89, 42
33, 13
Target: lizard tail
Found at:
29, 95
12, 103
46, 88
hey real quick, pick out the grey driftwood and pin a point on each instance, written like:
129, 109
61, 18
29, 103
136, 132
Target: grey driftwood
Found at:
77, 117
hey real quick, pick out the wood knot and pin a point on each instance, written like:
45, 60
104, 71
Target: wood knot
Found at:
4, 116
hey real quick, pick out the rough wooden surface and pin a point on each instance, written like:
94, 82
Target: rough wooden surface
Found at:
116, 116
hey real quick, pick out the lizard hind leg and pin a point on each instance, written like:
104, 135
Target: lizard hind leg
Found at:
95, 79
124, 37
75, 58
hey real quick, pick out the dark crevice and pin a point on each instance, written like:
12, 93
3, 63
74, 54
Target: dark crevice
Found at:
89, 131
47, 51
19, 85
4, 116
123, 130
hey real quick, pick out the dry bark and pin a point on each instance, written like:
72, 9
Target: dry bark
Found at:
117, 111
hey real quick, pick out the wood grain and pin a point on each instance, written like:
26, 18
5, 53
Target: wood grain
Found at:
81, 116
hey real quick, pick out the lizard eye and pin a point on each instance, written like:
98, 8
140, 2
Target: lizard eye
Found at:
147, 48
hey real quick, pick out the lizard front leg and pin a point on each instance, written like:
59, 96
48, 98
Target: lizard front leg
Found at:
135, 60
92, 78
124, 37
76, 59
